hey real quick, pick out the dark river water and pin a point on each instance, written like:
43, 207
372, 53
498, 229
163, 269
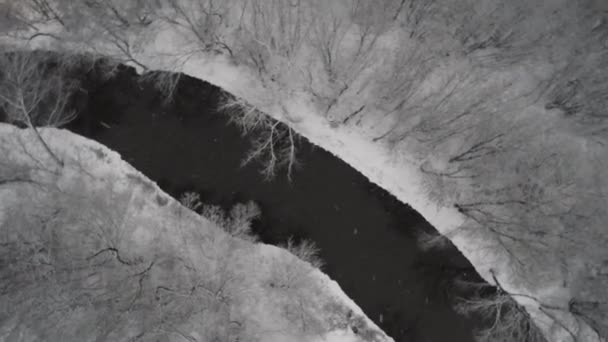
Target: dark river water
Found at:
367, 238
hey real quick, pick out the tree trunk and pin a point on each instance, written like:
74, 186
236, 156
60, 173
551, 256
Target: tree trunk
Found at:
45, 145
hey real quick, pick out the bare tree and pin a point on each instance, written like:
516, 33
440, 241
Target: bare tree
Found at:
579, 92
305, 250
271, 34
122, 25
33, 93
506, 320
165, 82
202, 20
509, 321
346, 40
241, 216
191, 200
237, 222
416, 16
274, 143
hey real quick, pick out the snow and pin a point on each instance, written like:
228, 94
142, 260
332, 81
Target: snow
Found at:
99, 177
340, 336
397, 174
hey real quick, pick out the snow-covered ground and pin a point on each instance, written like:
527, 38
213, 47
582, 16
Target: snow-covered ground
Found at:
398, 174
145, 253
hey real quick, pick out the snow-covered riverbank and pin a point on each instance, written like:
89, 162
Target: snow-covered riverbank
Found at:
172, 49
397, 173
139, 249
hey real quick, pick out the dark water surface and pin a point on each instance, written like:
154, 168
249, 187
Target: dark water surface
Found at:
367, 238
